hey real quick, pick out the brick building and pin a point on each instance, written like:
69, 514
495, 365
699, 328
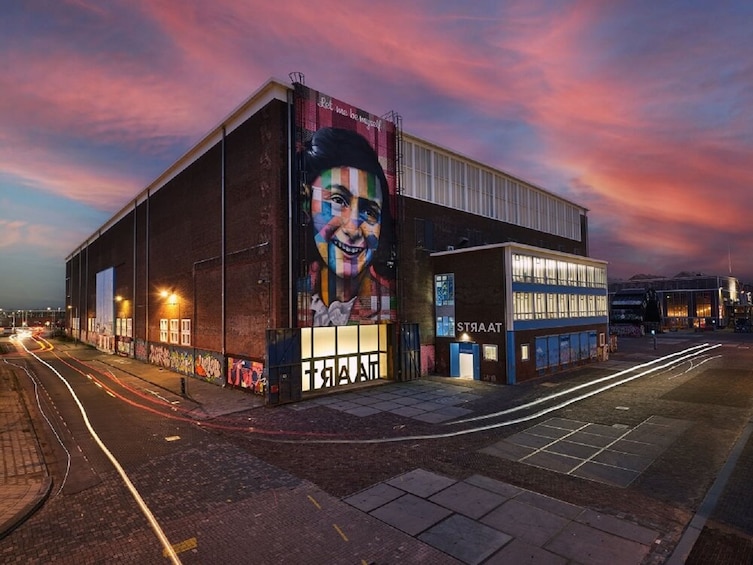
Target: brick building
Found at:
285, 254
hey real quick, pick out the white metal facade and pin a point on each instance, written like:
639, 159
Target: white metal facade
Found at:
442, 177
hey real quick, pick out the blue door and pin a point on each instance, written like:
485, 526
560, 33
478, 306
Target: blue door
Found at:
465, 360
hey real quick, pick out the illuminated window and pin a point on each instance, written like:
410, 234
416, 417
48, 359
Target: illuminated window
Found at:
490, 353
522, 305
185, 332
551, 306
522, 268
524, 352
703, 304
163, 323
562, 306
174, 331
445, 326
539, 306
573, 305
444, 304
539, 275
677, 305
444, 290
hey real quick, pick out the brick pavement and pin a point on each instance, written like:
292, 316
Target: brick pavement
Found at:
726, 534
24, 481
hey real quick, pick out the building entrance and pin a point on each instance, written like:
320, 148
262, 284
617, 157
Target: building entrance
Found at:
465, 360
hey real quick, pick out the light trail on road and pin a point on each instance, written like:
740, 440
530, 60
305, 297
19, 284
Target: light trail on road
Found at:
168, 549
681, 356
684, 355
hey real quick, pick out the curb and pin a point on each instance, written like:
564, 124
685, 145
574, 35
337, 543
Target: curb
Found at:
31, 506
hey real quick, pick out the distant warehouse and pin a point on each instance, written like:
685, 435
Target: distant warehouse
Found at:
305, 245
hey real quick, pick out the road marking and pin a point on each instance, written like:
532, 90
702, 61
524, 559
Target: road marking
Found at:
172, 438
314, 502
667, 361
170, 552
339, 531
190, 543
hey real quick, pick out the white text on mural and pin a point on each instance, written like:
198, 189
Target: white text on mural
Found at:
326, 103
334, 372
489, 327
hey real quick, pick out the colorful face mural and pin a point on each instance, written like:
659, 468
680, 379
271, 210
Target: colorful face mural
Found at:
346, 210
347, 233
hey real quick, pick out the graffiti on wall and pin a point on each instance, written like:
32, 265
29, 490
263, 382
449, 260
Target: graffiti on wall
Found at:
159, 355
140, 350
181, 361
628, 330
124, 347
427, 359
208, 366
247, 374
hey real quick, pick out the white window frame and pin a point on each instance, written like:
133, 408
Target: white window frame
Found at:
163, 325
185, 332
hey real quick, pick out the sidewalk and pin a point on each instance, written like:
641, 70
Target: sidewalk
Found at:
25, 484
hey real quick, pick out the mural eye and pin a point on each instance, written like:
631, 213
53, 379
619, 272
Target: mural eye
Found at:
339, 200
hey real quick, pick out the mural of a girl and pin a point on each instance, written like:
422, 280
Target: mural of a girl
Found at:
347, 202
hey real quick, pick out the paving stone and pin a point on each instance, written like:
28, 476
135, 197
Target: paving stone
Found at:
637, 448
606, 474
548, 431
421, 483
628, 461
594, 547
468, 500
435, 417
465, 539
504, 489
553, 505
618, 527
553, 461
595, 440
411, 514
386, 405
527, 439
362, 411
571, 449
507, 450
528, 523
518, 552
407, 411
565, 423
374, 497
606, 431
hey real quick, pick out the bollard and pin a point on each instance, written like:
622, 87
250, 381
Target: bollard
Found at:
183, 386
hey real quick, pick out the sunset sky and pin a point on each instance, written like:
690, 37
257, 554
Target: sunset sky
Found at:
639, 110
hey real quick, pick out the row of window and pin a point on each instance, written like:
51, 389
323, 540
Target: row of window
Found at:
540, 270
438, 177
545, 305
124, 327
175, 331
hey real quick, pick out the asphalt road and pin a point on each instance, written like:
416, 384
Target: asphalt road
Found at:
264, 485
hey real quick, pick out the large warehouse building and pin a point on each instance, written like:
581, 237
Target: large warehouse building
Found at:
306, 245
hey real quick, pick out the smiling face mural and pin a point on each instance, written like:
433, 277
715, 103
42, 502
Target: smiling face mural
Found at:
347, 228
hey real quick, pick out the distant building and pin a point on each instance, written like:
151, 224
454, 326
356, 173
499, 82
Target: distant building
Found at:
305, 245
686, 300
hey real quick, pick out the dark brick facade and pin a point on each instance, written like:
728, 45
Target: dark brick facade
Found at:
178, 244
427, 227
